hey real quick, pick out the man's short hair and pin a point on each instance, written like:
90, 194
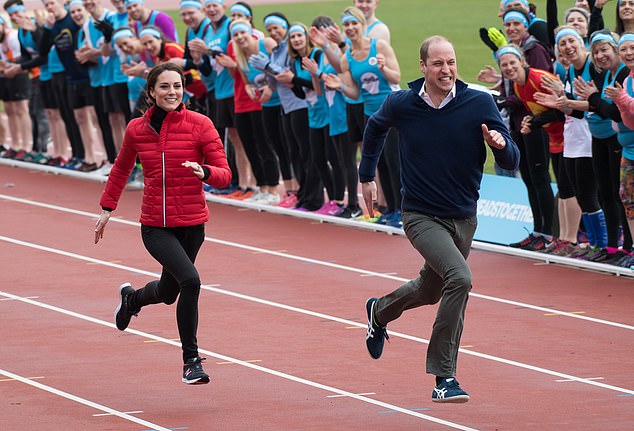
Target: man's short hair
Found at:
424, 47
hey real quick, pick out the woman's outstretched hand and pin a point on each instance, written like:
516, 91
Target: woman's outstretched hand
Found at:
101, 225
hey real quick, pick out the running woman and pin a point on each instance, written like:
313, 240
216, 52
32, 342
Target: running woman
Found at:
179, 150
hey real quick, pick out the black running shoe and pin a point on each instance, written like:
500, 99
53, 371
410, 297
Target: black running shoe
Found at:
449, 391
377, 334
193, 373
523, 243
124, 313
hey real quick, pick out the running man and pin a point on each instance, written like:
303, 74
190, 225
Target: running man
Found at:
442, 126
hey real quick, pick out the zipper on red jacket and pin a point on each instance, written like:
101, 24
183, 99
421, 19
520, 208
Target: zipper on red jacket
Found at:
163, 181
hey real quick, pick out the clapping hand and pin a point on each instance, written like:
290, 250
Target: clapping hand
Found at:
584, 89
613, 92
493, 138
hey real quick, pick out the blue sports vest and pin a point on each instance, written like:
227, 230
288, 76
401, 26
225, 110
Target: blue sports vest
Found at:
219, 39
602, 127
317, 105
336, 107
372, 84
258, 78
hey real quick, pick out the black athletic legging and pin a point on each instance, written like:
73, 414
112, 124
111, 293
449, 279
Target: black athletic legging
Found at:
175, 249
347, 153
272, 120
534, 158
581, 175
295, 126
606, 160
262, 158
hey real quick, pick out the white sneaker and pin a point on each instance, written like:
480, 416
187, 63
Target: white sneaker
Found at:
270, 199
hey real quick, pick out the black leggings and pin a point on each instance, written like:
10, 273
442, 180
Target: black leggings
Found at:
259, 152
272, 120
606, 160
582, 178
534, 160
325, 158
347, 152
311, 193
175, 249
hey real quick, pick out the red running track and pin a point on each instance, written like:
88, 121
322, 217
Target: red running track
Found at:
282, 327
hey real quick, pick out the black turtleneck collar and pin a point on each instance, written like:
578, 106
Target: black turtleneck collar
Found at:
158, 116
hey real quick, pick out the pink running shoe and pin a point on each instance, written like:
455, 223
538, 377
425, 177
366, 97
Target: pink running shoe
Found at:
330, 208
289, 201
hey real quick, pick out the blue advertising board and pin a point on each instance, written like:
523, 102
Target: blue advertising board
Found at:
504, 214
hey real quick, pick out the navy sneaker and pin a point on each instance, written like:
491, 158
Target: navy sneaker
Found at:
449, 391
123, 314
376, 335
193, 373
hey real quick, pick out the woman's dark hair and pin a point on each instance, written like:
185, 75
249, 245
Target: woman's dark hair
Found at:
250, 18
279, 15
620, 27
9, 3
323, 21
156, 71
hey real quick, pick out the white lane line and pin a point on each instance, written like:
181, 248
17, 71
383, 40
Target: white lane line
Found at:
363, 272
321, 316
80, 400
229, 359
110, 414
587, 378
362, 393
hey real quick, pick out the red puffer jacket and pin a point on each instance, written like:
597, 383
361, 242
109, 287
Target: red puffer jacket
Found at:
173, 196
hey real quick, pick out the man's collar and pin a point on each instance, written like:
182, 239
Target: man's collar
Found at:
423, 92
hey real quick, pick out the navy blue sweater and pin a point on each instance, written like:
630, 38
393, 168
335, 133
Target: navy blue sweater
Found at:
442, 150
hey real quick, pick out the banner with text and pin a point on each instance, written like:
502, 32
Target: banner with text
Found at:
504, 214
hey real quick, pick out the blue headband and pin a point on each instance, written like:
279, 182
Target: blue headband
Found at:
152, 32
190, 3
75, 3
507, 50
347, 17
241, 26
275, 20
515, 16
220, 2
120, 34
296, 28
567, 32
507, 2
240, 9
16, 8
626, 37
131, 2
602, 37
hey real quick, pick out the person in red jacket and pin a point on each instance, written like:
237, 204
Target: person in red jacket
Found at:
179, 150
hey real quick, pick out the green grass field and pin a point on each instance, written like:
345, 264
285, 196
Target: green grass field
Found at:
411, 21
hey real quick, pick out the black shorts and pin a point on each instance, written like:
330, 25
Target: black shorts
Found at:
80, 95
225, 114
15, 89
114, 98
48, 95
355, 121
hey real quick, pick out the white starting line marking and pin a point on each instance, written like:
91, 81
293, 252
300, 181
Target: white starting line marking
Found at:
83, 401
362, 393
110, 414
11, 299
587, 378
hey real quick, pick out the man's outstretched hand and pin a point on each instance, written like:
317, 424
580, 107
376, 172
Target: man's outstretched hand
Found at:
493, 138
